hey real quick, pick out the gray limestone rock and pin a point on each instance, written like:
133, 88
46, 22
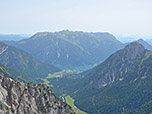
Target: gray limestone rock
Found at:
19, 98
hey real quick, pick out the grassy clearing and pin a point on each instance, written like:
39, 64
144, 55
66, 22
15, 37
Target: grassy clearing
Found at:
146, 56
55, 75
70, 102
46, 82
21, 42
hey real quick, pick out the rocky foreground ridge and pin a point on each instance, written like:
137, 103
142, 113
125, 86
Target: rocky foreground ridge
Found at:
19, 98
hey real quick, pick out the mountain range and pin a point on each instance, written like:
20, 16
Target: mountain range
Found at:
121, 84
70, 48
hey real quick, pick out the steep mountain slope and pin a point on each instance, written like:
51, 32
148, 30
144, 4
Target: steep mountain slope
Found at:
117, 65
20, 98
70, 48
121, 84
145, 44
23, 63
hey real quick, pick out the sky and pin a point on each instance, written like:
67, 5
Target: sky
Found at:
119, 17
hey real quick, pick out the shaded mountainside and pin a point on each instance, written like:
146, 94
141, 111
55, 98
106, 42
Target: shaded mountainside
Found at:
121, 84
117, 66
70, 48
23, 64
19, 98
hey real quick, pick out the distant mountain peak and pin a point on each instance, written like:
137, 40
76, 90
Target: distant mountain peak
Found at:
134, 45
121, 62
133, 49
144, 43
140, 39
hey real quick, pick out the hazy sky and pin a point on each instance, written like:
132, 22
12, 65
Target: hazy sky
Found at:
119, 17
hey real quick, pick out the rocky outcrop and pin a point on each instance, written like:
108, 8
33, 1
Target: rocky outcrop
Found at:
19, 98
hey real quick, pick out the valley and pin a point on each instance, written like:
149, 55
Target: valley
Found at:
75, 57
82, 68
112, 90
106, 85
72, 74
59, 76
70, 101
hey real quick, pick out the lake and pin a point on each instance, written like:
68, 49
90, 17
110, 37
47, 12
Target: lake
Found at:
83, 68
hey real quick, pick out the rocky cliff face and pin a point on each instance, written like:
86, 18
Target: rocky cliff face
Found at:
20, 98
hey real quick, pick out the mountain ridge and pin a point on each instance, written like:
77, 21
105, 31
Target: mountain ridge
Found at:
127, 54
70, 48
22, 62
121, 84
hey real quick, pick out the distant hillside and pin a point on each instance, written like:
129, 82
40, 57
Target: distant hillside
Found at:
144, 43
70, 48
23, 64
13, 37
121, 84
127, 39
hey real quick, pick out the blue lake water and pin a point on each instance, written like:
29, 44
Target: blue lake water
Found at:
83, 68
